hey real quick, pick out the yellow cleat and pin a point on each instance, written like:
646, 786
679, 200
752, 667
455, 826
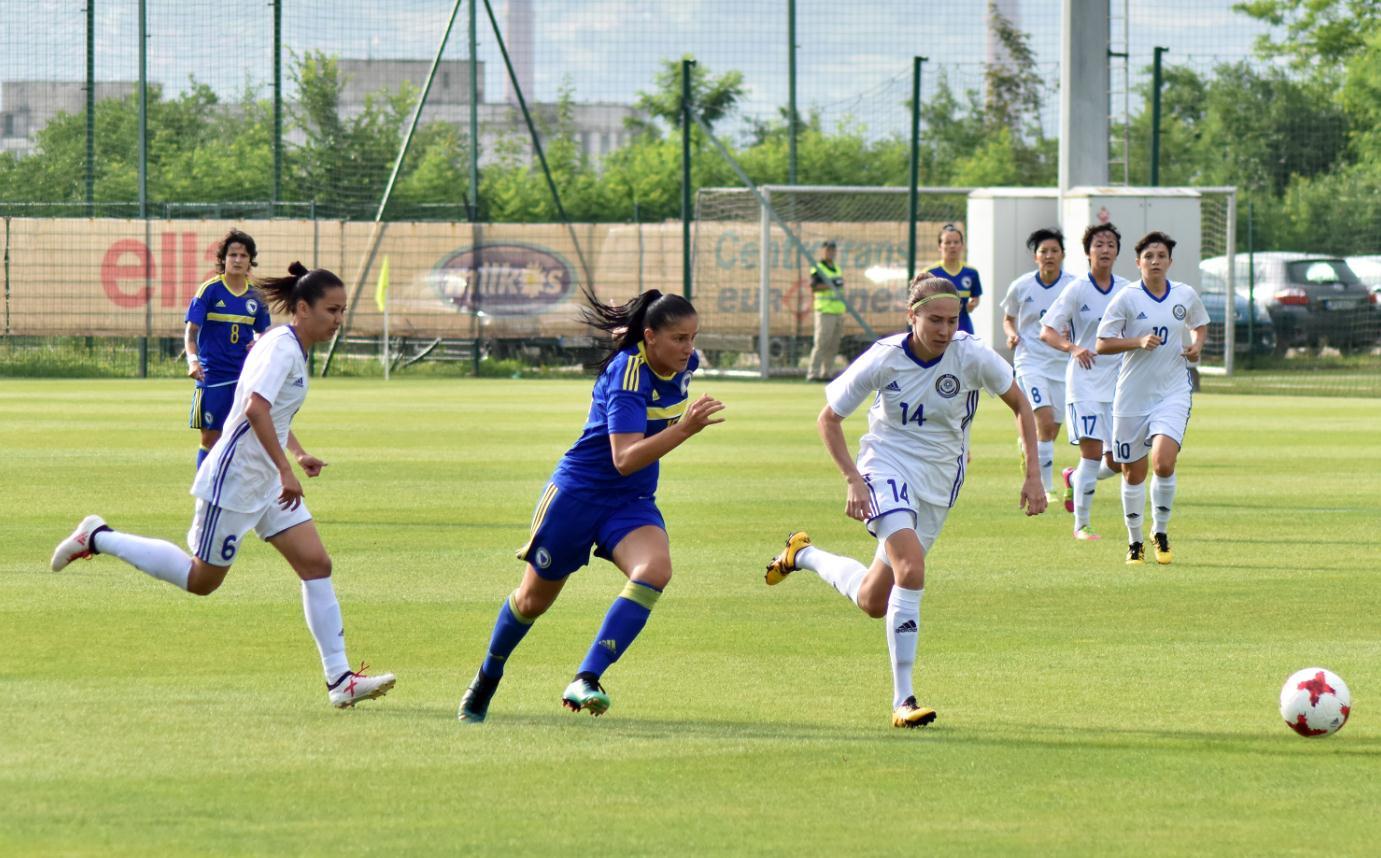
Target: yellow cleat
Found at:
1136, 554
1161, 543
785, 563
910, 715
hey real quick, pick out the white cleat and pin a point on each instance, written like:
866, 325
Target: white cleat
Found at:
354, 686
78, 545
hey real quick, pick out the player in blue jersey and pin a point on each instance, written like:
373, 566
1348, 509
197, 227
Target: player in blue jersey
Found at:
602, 493
953, 269
223, 320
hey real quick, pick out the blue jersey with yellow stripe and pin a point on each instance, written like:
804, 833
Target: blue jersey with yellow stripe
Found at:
227, 324
967, 284
628, 398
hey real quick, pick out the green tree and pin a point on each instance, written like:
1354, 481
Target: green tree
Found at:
713, 97
1320, 34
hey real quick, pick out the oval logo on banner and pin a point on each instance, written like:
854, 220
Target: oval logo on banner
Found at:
504, 279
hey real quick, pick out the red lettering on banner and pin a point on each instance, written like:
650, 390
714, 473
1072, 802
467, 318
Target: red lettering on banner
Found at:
114, 270
189, 268
168, 258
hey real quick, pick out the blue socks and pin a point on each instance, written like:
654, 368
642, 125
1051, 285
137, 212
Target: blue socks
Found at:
621, 626
509, 630
201, 456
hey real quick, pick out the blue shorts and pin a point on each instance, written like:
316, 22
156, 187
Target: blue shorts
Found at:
211, 405
566, 527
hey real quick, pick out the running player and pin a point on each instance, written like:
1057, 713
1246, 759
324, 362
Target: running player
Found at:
965, 279
1150, 321
924, 387
602, 494
223, 320
1089, 380
248, 483
1040, 368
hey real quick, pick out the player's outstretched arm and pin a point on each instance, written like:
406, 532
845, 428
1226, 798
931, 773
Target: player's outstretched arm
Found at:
310, 465
857, 502
633, 451
1032, 490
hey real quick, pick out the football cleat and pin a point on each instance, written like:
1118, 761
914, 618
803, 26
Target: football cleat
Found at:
474, 703
1161, 544
1136, 554
354, 686
1053, 498
78, 545
1086, 534
1069, 489
585, 693
785, 563
910, 715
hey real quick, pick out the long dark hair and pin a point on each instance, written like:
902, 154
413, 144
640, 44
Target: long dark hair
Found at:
625, 323
300, 285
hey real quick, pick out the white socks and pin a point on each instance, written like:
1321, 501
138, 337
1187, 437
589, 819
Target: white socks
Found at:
1045, 451
1133, 504
1162, 501
156, 558
844, 574
903, 628
323, 618
1103, 470
1085, 481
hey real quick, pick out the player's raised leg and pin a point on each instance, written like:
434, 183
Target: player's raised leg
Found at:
516, 615
301, 546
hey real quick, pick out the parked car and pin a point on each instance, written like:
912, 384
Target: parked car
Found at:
1368, 270
1213, 291
1313, 299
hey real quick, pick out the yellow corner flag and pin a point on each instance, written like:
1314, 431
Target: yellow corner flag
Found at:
381, 291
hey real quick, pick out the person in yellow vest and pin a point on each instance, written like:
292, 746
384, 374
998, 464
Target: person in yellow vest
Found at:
827, 282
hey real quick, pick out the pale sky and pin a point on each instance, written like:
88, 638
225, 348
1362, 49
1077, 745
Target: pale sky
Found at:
854, 57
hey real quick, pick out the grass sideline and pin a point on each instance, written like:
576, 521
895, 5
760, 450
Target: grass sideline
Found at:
1084, 708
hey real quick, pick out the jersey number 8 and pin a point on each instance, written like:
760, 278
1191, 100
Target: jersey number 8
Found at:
235, 333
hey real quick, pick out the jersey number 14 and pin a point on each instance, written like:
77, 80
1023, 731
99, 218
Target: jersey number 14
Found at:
917, 416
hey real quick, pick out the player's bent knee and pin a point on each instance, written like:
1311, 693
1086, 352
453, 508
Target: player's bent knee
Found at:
204, 579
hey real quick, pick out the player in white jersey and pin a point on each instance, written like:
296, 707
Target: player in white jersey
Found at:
924, 385
247, 482
1040, 368
1071, 326
1150, 321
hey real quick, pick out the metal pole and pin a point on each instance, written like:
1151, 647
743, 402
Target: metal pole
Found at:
764, 288
90, 107
277, 102
791, 123
144, 185
686, 66
1251, 288
1230, 308
912, 193
472, 194
1155, 116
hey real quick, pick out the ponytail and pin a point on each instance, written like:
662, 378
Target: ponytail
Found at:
625, 323
300, 285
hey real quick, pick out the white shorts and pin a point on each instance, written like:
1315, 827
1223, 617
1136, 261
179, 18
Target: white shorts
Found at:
1091, 420
892, 494
1042, 391
1132, 434
216, 532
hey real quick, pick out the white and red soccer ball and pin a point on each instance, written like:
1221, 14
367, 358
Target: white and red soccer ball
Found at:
1315, 702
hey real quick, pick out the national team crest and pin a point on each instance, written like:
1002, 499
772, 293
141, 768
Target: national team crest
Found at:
685, 382
1180, 312
251, 307
542, 559
947, 386
967, 282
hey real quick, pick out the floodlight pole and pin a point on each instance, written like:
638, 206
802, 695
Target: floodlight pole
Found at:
472, 196
912, 192
277, 104
144, 186
686, 66
791, 122
1156, 81
90, 107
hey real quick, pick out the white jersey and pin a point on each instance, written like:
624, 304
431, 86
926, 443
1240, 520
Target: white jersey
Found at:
1076, 314
238, 474
1027, 301
918, 425
1149, 377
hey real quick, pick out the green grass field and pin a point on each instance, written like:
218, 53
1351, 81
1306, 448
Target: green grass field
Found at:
1085, 708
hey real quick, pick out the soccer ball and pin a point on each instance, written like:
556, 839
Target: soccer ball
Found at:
1315, 702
